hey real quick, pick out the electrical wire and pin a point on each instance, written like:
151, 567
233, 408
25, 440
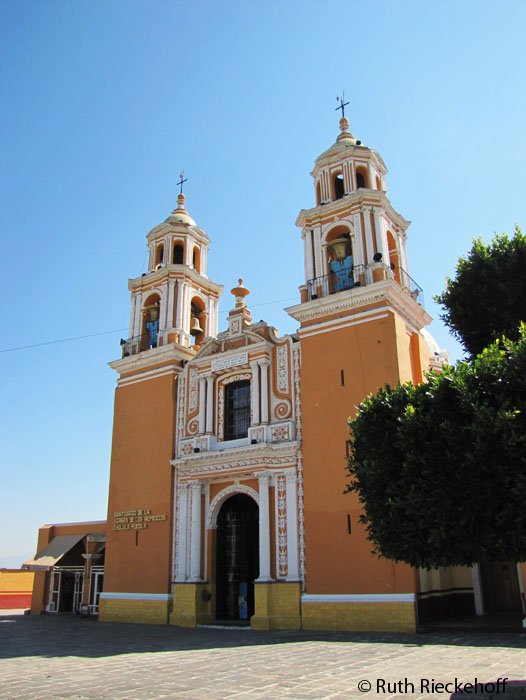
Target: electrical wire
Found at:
117, 330
63, 340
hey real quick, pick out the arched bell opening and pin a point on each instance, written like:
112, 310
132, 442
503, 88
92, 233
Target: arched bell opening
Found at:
196, 259
178, 253
362, 178
318, 193
159, 255
337, 186
378, 183
236, 557
340, 262
394, 257
197, 321
151, 312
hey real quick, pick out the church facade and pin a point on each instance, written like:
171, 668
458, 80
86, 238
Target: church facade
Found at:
228, 461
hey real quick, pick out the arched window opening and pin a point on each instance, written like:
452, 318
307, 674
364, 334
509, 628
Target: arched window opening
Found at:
196, 259
150, 323
197, 321
340, 260
361, 179
378, 183
159, 255
178, 254
338, 186
318, 193
237, 410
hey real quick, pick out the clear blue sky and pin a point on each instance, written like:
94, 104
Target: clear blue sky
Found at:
104, 103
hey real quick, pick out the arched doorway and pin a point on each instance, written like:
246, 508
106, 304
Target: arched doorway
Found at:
237, 557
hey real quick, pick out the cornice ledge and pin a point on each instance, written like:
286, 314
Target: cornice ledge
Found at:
172, 271
155, 356
252, 455
349, 300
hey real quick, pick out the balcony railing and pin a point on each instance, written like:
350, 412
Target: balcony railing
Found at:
408, 284
139, 343
361, 276
337, 282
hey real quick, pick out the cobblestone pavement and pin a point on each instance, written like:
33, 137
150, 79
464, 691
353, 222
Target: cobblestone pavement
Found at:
65, 657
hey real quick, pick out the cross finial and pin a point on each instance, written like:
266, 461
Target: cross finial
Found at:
342, 102
183, 179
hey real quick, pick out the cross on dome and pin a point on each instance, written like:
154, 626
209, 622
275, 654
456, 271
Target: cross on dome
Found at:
342, 102
181, 181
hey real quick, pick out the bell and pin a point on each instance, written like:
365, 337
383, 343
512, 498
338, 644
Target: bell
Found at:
195, 328
339, 247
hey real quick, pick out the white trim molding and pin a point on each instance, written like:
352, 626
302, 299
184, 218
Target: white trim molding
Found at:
222, 496
359, 598
135, 596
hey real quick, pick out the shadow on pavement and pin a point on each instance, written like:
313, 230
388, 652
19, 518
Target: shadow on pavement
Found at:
64, 635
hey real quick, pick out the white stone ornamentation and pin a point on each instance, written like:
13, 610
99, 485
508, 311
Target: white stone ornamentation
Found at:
192, 389
281, 526
282, 358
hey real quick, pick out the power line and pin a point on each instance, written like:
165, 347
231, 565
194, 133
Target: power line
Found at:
117, 330
63, 340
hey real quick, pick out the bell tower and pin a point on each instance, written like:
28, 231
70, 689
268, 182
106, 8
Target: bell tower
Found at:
174, 302
360, 316
174, 307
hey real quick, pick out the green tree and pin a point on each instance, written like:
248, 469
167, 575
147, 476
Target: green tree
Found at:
440, 468
487, 297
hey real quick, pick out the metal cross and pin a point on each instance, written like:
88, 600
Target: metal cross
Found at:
342, 102
183, 179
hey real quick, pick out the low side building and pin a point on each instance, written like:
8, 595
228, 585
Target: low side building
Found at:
68, 568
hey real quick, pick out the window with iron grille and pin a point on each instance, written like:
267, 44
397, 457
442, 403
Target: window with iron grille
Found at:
237, 410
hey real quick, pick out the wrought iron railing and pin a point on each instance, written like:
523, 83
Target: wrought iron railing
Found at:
137, 344
360, 276
336, 282
408, 284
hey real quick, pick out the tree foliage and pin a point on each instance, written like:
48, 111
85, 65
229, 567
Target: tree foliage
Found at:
487, 297
441, 467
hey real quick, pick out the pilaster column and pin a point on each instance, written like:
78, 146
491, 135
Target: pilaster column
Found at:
195, 532
133, 309
209, 403
264, 528
182, 530
254, 394
264, 364
292, 527
368, 235
372, 177
318, 266
352, 176
381, 240
202, 404
179, 310
170, 304
309, 242
358, 251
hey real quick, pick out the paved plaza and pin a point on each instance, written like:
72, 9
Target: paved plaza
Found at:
66, 657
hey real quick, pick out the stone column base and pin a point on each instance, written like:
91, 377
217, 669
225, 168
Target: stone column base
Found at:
277, 606
192, 604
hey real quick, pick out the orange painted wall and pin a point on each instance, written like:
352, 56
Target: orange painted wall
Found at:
139, 561
16, 587
370, 355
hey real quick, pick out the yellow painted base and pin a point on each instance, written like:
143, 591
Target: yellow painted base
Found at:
277, 606
359, 617
192, 604
153, 612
